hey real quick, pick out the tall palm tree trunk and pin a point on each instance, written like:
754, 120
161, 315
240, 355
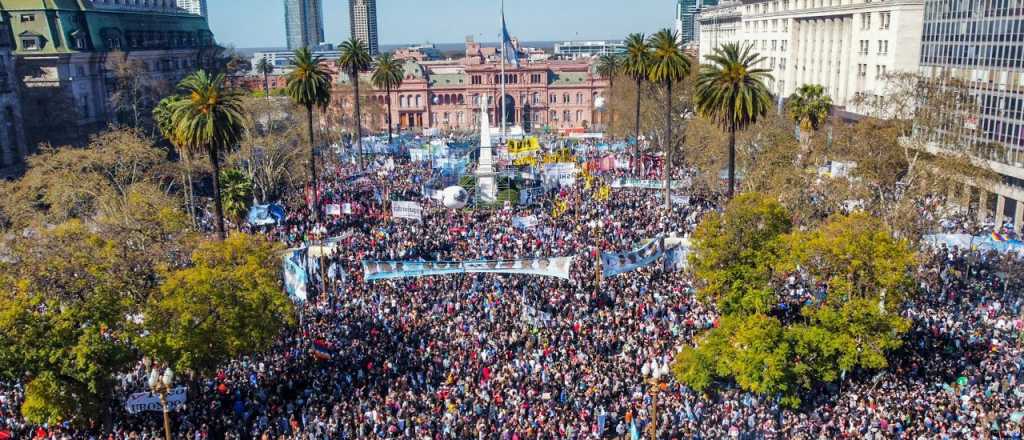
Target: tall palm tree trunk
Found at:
732, 160
266, 83
359, 122
636, 133
388, 92
668, 149
218, 205
312, 165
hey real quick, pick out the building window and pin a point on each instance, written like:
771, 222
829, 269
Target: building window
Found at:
554, 115
536, 98
883, 47
883, 18
28, 17
566, 116
418, 101
552, 99
579, 99
864, 47
865, 21
579, 115
535, 78
565, 99
30, 43
476, 80
862, 70
879, 71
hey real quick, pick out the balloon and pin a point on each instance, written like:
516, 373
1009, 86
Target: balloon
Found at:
454, 197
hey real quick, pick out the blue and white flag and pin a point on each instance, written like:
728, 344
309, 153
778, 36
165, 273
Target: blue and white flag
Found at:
508, 51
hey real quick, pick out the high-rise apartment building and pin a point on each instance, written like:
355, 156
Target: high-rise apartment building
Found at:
686, 18
194, 7
304, 23
981, 44
363, 19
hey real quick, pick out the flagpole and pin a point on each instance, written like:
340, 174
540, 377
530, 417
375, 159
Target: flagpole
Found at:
502, 7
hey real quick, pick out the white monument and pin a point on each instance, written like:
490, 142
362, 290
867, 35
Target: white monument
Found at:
486, 186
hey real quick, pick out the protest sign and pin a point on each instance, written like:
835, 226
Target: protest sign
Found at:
147, 401
554, 267
407, 210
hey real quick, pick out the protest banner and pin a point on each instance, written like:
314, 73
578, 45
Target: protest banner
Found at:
147, 401
616, 263
525, 222
381, 270
407, 210
333, 209
647, 184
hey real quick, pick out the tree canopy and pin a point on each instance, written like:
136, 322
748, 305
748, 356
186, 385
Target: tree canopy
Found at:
799, 308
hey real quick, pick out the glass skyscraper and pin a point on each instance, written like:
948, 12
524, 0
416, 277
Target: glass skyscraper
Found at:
304, 23
981, 44
362, 16
686, 18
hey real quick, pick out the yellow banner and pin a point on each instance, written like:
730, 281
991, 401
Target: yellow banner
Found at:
528, 145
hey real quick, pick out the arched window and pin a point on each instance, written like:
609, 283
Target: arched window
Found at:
579, 115
579, 98
447, 100
462, 100
401, 101
418, 101
554, 115
565, 99
566, 116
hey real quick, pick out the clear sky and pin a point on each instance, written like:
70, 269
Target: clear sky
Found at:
260, 23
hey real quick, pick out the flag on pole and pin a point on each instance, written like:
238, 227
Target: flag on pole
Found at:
510, 53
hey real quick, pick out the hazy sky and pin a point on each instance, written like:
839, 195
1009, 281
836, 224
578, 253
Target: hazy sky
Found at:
260, 23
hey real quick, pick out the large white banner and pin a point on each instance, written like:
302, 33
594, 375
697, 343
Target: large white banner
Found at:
382, 270
147, 401
409, 210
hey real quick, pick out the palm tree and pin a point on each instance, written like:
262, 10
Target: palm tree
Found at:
809, 107
163, 116
237, 190
388, 74
635, 64
668, 65
208, 119
731, 91
355, 58
309, 85
264, 67
609, 65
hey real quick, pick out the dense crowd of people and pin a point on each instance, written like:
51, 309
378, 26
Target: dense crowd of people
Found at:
513, 357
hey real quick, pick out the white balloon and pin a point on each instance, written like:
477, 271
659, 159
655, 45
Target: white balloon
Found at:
454, 197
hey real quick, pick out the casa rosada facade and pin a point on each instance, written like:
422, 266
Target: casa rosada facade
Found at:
551, 95
566, 96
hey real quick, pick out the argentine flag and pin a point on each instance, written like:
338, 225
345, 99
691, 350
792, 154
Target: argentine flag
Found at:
510, 53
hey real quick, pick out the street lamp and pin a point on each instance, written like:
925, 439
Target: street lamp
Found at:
161, 384
653, 373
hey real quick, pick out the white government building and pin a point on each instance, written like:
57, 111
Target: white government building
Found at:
844, 45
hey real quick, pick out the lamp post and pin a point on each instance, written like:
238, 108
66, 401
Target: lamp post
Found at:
160, 384
653, 374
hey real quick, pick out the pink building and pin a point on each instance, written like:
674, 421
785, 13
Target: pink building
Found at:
553, 95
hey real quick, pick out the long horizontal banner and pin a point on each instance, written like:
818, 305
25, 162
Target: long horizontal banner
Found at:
647, 184
407, 210
553, 267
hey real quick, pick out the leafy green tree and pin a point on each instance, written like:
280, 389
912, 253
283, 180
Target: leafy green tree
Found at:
208, 120
668, 65
227, 304
734, 253
388, 74
265, 68
355, 58
731, 91
65, 299
309, 85
609, 66
236, 188
636, 63
854, 324
809, 107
